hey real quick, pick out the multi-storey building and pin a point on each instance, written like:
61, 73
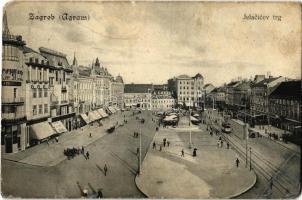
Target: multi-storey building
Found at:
60, 88
285, 108
190, 90
162, 98
138, 95
259, 97
117, 92
13, 116
217, 97
229, 98
102, 79
37, 97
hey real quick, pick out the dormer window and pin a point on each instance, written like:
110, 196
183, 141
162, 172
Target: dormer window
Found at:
36, 60
31, 60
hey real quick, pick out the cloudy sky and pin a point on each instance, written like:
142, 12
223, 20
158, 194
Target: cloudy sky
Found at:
150, 42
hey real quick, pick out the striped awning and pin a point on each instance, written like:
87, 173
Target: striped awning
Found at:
41, 131
97, 115
102, 112
85, 118
59, 127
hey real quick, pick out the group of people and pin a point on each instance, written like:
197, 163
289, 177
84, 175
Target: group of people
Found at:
165, 143
220, 143
72, 152
135, 134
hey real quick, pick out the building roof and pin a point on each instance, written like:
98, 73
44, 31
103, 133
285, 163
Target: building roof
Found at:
288, 89
119, 79
198, 75
183, 76
26, 49
233, 83
138, 88
265, 82
84, 71
245, 85
55, 58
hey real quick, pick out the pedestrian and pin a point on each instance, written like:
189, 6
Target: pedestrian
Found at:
83, 150
164, 143
137, 151
182, 153
228, 145
221, 142
168, 143
87, 155
90, 135
105, 169
154, 145
218, 143
100, 194
160, 148
237, 162
134, 134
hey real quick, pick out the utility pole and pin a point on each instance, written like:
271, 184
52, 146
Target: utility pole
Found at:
140, 150
250, 158
190, 144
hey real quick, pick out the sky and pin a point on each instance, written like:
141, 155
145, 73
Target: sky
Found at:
150, 42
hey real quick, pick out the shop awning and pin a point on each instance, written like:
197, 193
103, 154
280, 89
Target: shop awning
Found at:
189, 104
85, 118
193, 119
92, 117
97, 114
111, 109
59, 127
102, 112
41, 131
170, 118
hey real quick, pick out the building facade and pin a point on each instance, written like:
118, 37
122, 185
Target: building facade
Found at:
138, 96
13, 116
162, 98
285, 108
117, 92
190, 90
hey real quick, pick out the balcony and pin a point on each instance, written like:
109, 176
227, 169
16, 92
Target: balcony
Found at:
64, 102
12, 100
10, 118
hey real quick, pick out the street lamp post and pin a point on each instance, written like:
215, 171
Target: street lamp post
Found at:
190, 144
140, 150
250, 158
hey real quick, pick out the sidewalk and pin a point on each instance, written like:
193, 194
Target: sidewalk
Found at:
212, 174
52, 154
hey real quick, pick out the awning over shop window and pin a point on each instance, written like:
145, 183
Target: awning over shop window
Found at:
97, 115
41, 131
85, 118
111, 109
59, 127
92, 117
102, 112
189, 104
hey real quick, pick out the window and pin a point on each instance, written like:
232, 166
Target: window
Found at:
45, 93
45, 108
40, 109
15, 92
40, 92
34, 93
34, 110
57, 76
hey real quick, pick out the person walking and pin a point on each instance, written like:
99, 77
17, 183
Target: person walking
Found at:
90, 135
228, 145
218, 143
154, 145
87, 155
168, 143
182, 153
100, 194
160, 148
137, 151
221, 143
83, 150
237, 162
105, 169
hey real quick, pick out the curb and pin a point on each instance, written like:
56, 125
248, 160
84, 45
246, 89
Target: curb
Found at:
243, 190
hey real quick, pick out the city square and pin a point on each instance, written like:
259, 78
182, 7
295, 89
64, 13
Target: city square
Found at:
143, 100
